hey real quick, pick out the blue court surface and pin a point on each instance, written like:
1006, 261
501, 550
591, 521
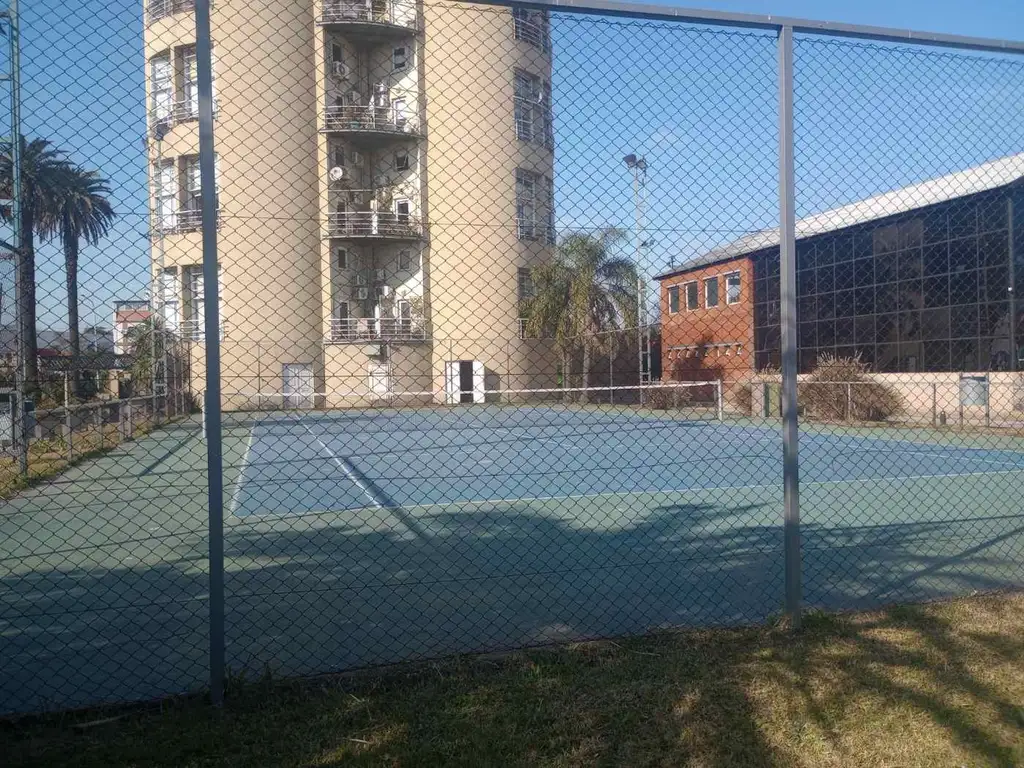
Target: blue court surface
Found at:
354, 463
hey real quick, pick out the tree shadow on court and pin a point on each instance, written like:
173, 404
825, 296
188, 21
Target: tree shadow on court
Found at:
306, 596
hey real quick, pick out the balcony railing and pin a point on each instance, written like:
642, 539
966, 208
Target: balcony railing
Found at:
369, 118
348, 330
384, 224
194, 329
173, 114
388, 12
187, 220
159, 9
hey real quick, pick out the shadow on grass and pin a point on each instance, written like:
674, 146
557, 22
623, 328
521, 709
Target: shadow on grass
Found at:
928, 685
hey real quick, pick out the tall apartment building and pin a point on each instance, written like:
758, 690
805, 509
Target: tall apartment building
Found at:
384, 184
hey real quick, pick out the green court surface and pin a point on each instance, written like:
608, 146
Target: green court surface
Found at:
379, 536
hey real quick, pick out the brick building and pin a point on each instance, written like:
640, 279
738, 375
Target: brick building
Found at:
923, 278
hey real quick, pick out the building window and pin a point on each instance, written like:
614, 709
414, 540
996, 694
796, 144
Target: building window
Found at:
692, 295
402, 161
194, 300
189, 82
399, 59
525, 281
526, 204
338, 156
531, 26
404, 260
403, 210
341, 258
534, 206
711, 292
166, 182
169, 299
193, 199
532, 104
161, 87
673, 299
337, 54
732, 288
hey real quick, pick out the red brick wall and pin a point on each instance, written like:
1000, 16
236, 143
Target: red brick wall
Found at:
723, 335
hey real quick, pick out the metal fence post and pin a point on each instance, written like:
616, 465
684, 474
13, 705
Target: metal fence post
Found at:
102, 426
935, 404
849, 401
214, 468
787, 241
719, 400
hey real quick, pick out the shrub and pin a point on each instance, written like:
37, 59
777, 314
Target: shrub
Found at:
840, 389
668, 397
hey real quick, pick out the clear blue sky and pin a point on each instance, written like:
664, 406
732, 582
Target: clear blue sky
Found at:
700, 105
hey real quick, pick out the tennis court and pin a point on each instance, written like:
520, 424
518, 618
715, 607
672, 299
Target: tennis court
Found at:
365, 536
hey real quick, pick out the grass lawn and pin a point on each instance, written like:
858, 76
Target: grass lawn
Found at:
936, 685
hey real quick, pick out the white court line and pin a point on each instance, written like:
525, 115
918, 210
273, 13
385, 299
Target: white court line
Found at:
241, 472
778, 485
345, 468
940, 455
619, 494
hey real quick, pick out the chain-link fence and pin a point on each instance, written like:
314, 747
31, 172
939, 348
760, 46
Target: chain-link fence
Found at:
488, 334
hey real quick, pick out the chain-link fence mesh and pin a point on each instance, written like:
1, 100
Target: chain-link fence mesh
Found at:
500, 309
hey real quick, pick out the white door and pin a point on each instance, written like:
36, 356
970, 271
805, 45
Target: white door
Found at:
479, 391
298, 385
451, 383
380, 380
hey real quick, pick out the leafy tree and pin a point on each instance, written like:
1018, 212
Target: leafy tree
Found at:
44, 176
85, 214
581, 294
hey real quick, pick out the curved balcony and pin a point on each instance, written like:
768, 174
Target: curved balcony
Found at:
374, 225
355, 330
161, 9
369, 121
370, 19
180, 221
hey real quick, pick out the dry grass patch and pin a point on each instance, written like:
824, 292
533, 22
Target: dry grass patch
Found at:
936, 685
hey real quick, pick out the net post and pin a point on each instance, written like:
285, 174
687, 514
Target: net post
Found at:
935, 404
988, 400
68, 433
719, 400
849, 401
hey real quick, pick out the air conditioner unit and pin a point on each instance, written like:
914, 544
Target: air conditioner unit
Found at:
339, 69
337, 173
381, 274
360, 280
357, 158
362, 294
384, 291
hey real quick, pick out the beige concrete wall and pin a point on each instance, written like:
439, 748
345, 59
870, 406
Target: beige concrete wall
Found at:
472, 157
264, 130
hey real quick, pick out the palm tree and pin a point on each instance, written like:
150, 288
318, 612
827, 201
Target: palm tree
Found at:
85, 214
581, 294
44, 172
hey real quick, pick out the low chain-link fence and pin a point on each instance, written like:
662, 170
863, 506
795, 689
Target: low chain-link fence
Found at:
347, 333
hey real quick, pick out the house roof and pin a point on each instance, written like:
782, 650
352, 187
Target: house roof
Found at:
982, 178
